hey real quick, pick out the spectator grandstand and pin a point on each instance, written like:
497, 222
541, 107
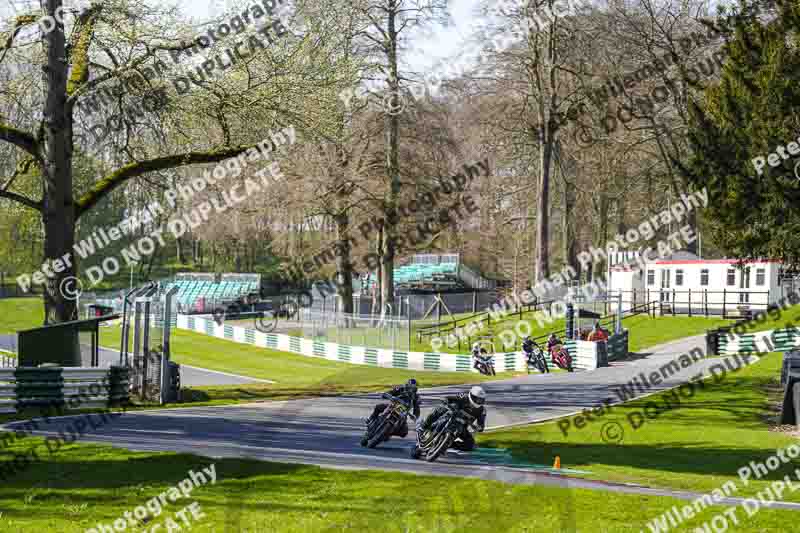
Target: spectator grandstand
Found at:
433, 272
201, 292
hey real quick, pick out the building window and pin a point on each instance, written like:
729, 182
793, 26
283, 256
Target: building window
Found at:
760, 275
731, 277
651, 277
704, 277
678, 277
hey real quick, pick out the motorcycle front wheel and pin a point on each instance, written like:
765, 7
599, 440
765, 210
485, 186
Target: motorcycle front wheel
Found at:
379, 434
439, 447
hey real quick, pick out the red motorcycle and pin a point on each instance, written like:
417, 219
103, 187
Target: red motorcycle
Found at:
561, 358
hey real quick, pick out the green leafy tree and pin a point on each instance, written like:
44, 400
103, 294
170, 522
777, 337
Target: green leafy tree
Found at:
750, 113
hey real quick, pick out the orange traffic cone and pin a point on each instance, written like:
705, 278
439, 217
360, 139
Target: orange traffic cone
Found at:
557, 462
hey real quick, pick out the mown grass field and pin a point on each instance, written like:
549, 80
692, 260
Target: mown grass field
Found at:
20, 313
82, 485
645, 331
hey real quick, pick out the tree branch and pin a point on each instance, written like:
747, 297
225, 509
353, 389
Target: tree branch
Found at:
21, 200
80, 54
18, 138
132, 170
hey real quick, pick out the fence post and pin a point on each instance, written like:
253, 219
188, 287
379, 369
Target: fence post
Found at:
705, 301
690, 302
724, 300
408, 310
673, 302
475, 302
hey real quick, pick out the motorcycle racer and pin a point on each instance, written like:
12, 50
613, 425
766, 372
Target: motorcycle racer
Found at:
408, 393
472, 403
479, 356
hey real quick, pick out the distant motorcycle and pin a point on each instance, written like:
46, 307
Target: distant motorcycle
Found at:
534, 358
485, 365
561, 358
383, 427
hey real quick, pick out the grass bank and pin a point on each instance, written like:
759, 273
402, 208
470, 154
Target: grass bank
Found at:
696, 446
20, 313
296, 376
84, 484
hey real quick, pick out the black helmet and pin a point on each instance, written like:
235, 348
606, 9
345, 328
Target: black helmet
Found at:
412, 384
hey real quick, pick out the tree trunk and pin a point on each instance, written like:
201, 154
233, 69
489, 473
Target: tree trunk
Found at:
542, 266
58, 212
378, 285
568, 227
392, 163
344, 266
602, 233
691, 220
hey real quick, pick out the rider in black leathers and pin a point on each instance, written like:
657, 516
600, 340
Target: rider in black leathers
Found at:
528, 347
479, 355
409, 394
472, 403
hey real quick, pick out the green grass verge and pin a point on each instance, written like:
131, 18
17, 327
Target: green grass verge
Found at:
297, 376
697, 446
645, 331
20, 313
82, 485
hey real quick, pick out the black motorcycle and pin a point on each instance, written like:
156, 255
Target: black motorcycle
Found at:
444, 432
383, 426
534, 358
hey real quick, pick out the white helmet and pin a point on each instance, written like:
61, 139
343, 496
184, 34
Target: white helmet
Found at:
477, 396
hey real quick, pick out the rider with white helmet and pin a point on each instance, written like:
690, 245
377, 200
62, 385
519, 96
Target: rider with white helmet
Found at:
473, 403
479, 355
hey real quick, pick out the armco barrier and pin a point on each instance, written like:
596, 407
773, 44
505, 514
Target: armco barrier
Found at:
360, 355
776, 340
70, 388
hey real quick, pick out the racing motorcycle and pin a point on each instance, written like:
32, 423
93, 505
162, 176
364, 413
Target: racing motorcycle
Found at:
382, 428
561, 358
534, 358
444, 432
485, 365
484, 360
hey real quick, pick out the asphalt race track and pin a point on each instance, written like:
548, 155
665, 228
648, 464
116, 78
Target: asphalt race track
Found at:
326, 431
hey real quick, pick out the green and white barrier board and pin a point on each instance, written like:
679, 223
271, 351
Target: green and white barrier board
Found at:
359, 355
775, 340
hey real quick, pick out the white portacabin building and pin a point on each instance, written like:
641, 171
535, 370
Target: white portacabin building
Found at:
686, 284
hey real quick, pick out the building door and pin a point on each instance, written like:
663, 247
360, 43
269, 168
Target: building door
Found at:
665, 274
744, 285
